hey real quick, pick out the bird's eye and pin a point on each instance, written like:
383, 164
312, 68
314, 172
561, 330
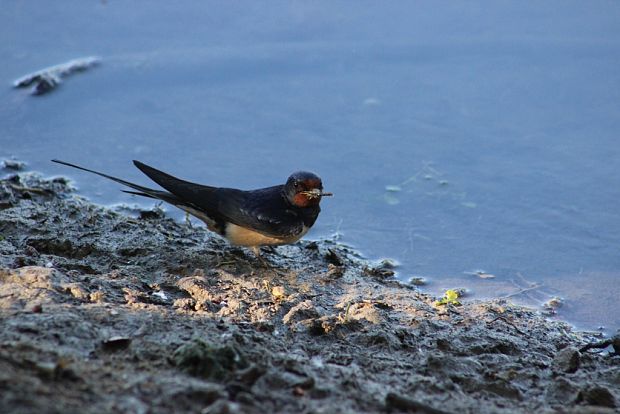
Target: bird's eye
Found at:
296, 184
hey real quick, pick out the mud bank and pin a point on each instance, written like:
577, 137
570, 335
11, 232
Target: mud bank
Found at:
102, 312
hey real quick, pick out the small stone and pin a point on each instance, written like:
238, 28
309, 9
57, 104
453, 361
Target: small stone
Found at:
31, 251
208, 361
264, 326
160, 294
382, 271
567, 360
46, 370
13, 165
561, 391
250, 375
333, 258
116, 343
388, 264
597, 395
398, 402
197, 286
312, 246
417, 281
301, 311
615, 343
56, 370
553, 304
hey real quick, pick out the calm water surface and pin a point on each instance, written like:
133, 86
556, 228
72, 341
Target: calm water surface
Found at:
457, 137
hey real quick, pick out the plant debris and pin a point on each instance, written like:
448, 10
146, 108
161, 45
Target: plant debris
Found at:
449, 298
46, 80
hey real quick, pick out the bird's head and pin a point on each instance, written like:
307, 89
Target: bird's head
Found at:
304, 189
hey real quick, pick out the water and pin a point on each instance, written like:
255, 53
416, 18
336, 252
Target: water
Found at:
457, 137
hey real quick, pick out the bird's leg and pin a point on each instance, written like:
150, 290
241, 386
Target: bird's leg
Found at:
268, 265
256, 250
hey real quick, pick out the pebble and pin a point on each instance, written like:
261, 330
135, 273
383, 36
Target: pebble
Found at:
567, 360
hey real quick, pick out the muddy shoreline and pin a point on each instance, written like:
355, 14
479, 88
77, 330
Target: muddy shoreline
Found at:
103, 312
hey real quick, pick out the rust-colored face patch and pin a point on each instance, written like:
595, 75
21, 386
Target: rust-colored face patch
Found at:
306, 193
302, 200
304, 189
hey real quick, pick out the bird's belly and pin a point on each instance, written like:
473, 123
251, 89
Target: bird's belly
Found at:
240, 236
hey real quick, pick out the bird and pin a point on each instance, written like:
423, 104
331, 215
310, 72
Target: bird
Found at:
270, 216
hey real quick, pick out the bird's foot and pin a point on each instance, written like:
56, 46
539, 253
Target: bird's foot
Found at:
259, 256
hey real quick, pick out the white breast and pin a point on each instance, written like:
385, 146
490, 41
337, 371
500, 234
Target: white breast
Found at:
241, 236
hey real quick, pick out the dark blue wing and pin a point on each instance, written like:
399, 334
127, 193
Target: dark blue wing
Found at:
264, 210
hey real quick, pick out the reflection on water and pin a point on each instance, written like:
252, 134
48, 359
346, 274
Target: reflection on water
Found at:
456, 138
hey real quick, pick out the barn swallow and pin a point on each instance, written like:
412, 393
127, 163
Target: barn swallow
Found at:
276, 215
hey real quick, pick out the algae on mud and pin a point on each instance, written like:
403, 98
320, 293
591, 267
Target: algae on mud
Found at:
102, 312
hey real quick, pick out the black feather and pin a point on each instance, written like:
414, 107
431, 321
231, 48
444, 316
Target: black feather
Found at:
266, 210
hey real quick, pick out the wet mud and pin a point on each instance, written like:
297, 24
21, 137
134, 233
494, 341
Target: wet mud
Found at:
106, 312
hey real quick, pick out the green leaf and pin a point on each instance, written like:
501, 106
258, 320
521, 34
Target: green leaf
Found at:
449, 298
451, 295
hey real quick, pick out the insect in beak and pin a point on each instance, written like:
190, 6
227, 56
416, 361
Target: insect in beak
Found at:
316, 193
